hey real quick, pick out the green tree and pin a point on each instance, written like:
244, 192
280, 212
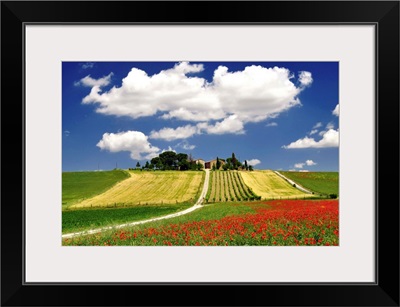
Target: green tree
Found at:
233, 163
181, 157
184, 165
138, 165
218, 164
199, 166
182, 161
229, 163
168, 159
245, 165
192, 165
234, 160
155, 160
251, 168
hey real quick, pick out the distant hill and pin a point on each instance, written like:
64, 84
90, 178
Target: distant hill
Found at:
77, 186
318, 182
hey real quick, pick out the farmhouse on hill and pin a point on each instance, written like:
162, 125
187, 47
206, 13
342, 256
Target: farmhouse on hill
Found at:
211, 163
200, 161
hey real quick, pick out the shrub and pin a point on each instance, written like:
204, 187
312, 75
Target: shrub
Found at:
333, 195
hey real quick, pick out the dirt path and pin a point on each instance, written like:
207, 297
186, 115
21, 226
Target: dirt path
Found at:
196, 206
294, 183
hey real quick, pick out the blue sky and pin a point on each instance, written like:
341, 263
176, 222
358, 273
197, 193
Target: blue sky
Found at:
275, 115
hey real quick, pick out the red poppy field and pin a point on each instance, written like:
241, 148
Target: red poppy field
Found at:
269, 223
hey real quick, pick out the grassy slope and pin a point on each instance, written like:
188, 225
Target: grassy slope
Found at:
267, 184
79, 220
320, 182
150, 187
77, 186
213, 211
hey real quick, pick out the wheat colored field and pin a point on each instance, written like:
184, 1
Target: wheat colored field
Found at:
165, 187
267, 184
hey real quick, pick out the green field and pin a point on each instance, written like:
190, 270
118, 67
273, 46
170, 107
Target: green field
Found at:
149, 187
80, 220
138, 196
267, 184
228, 186
98, 199
77, 186
85, 219
319, 182
277, 222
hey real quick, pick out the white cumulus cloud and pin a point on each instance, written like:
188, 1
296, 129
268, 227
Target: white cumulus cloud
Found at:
317, 125
272, 124
314, 131
336, 110
95, 83
170, 134
134, 142
330, 125
185, 145
253, 162
310, 162
231, 98
230, 124
87, 65
299, 165
329, 139
305, 78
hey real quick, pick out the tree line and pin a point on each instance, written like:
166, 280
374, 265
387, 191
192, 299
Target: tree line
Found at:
232, 163
170, 160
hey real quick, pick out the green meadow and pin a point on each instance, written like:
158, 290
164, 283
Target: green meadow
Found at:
319, 182
81, 220
77, 186
85, 219
279, 222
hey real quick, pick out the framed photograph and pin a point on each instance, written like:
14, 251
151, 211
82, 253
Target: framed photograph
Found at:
241, 147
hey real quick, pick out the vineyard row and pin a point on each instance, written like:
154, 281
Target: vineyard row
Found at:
228, 186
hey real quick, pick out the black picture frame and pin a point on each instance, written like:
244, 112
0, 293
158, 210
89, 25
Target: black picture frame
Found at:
383, 14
